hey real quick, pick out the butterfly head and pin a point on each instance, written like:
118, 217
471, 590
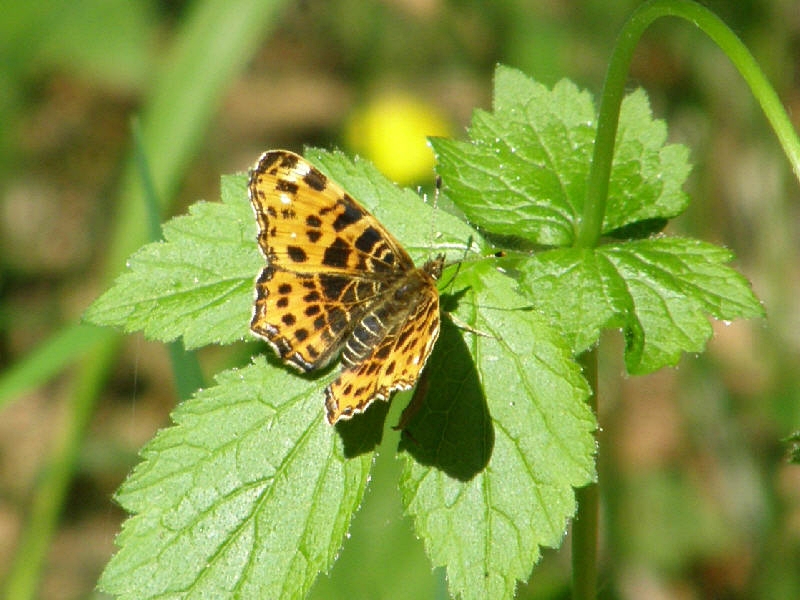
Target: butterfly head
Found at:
434, 266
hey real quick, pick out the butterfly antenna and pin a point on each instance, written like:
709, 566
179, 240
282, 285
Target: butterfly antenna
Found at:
458, 263
437, 188
436, 191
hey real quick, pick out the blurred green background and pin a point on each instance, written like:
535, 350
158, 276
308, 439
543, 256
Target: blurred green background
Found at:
697, 498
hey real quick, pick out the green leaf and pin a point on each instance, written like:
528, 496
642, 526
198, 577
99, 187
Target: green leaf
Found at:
197, 283
523, 176
501, 440
658, 290
523, 173
249, 494
646, 175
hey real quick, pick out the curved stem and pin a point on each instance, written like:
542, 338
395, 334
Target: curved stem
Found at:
614, 89
584, 541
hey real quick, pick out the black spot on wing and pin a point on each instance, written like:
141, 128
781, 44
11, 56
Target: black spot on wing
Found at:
336, 254
332, 286
289, 187
367, 240
288, 159
316, 180
297, 254
351, 214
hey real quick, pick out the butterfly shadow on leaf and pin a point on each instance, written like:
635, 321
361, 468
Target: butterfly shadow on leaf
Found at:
364, 432
451, 429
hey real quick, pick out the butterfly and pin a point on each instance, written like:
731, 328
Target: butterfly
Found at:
337, 283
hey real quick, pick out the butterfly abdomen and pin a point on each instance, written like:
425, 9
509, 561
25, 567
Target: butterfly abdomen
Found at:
383, 321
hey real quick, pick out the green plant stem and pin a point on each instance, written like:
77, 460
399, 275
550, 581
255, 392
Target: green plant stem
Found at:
614, 89
584, 542
585, 524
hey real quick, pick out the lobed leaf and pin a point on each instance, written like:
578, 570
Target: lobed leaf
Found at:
249, 494
501, 440
657, 290
524, 171
197, 283
522, 176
